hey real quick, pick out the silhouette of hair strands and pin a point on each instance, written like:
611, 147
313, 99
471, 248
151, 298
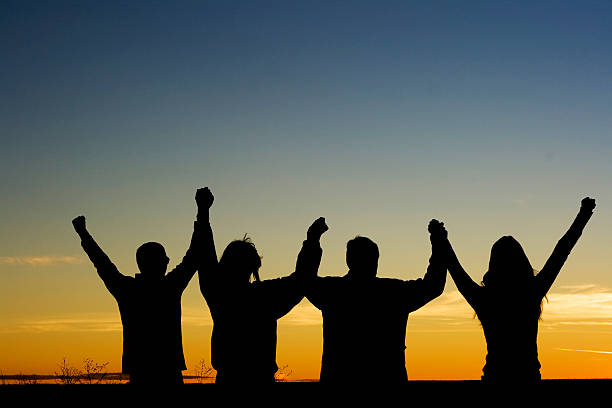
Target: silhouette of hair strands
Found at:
241, 259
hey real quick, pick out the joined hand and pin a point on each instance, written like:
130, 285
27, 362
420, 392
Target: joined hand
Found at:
317, 229
436, 229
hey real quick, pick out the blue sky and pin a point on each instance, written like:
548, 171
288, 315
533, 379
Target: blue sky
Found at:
368, 109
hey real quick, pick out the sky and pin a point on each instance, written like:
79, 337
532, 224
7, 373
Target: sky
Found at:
493, 117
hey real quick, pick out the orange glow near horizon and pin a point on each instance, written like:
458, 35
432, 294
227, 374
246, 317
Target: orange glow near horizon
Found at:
449, 347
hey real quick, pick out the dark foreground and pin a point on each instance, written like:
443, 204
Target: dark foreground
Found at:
432, 393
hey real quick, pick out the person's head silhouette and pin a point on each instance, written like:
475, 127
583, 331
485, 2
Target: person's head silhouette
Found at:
508, 266
362, 257
240, 260
152, 260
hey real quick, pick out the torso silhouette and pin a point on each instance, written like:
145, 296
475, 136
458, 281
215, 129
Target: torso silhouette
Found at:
511, 330
243, 343
151, 315
150, 309
364, 323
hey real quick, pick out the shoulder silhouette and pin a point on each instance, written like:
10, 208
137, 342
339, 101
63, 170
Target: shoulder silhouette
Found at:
149, 304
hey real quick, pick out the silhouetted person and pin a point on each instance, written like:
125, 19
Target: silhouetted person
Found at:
365, 317
509, 301
150, 303
245, 309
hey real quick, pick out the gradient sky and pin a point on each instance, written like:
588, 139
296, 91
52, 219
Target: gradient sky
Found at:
494, 117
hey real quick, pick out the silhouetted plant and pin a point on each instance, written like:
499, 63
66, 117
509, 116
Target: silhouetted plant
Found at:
67, 374
93, 372
25, 379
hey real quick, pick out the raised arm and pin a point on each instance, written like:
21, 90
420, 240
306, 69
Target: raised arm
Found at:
207, 262
309, 258
549, 272
111, 277
432, 284
466, 286
282, 294
182, 274
315, 286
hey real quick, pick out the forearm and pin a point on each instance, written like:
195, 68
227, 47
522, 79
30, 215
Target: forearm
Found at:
91, 248
555, 262
203, 283
452, 262
435, 277
567, 242
207, 261
207, 247
104, 266
203, 215
462, 280
309, 259
182, 274
575, 230
197, 243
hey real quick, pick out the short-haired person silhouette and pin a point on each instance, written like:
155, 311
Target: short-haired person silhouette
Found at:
150, 303
508, 303
365, 317
245, 309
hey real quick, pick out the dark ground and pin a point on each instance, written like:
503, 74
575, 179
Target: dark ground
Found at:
581, 393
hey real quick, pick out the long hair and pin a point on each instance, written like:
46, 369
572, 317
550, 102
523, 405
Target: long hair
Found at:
509, 268
241, 257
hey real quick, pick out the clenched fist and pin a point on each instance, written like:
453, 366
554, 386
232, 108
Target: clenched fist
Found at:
317, 229
79, 224
588, 204
204, 198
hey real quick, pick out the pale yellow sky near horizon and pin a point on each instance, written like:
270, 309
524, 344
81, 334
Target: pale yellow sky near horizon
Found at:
444, 340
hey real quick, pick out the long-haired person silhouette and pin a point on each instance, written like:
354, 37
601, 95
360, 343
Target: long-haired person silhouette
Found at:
150, 303
245, 309
508, 303
365, 317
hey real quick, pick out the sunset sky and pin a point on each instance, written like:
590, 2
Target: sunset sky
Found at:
492, 116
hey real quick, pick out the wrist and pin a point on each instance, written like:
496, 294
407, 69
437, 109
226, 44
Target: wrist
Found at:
313, 238
203, 214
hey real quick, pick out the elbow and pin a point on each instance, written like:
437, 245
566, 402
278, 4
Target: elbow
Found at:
201, 283
438, 289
